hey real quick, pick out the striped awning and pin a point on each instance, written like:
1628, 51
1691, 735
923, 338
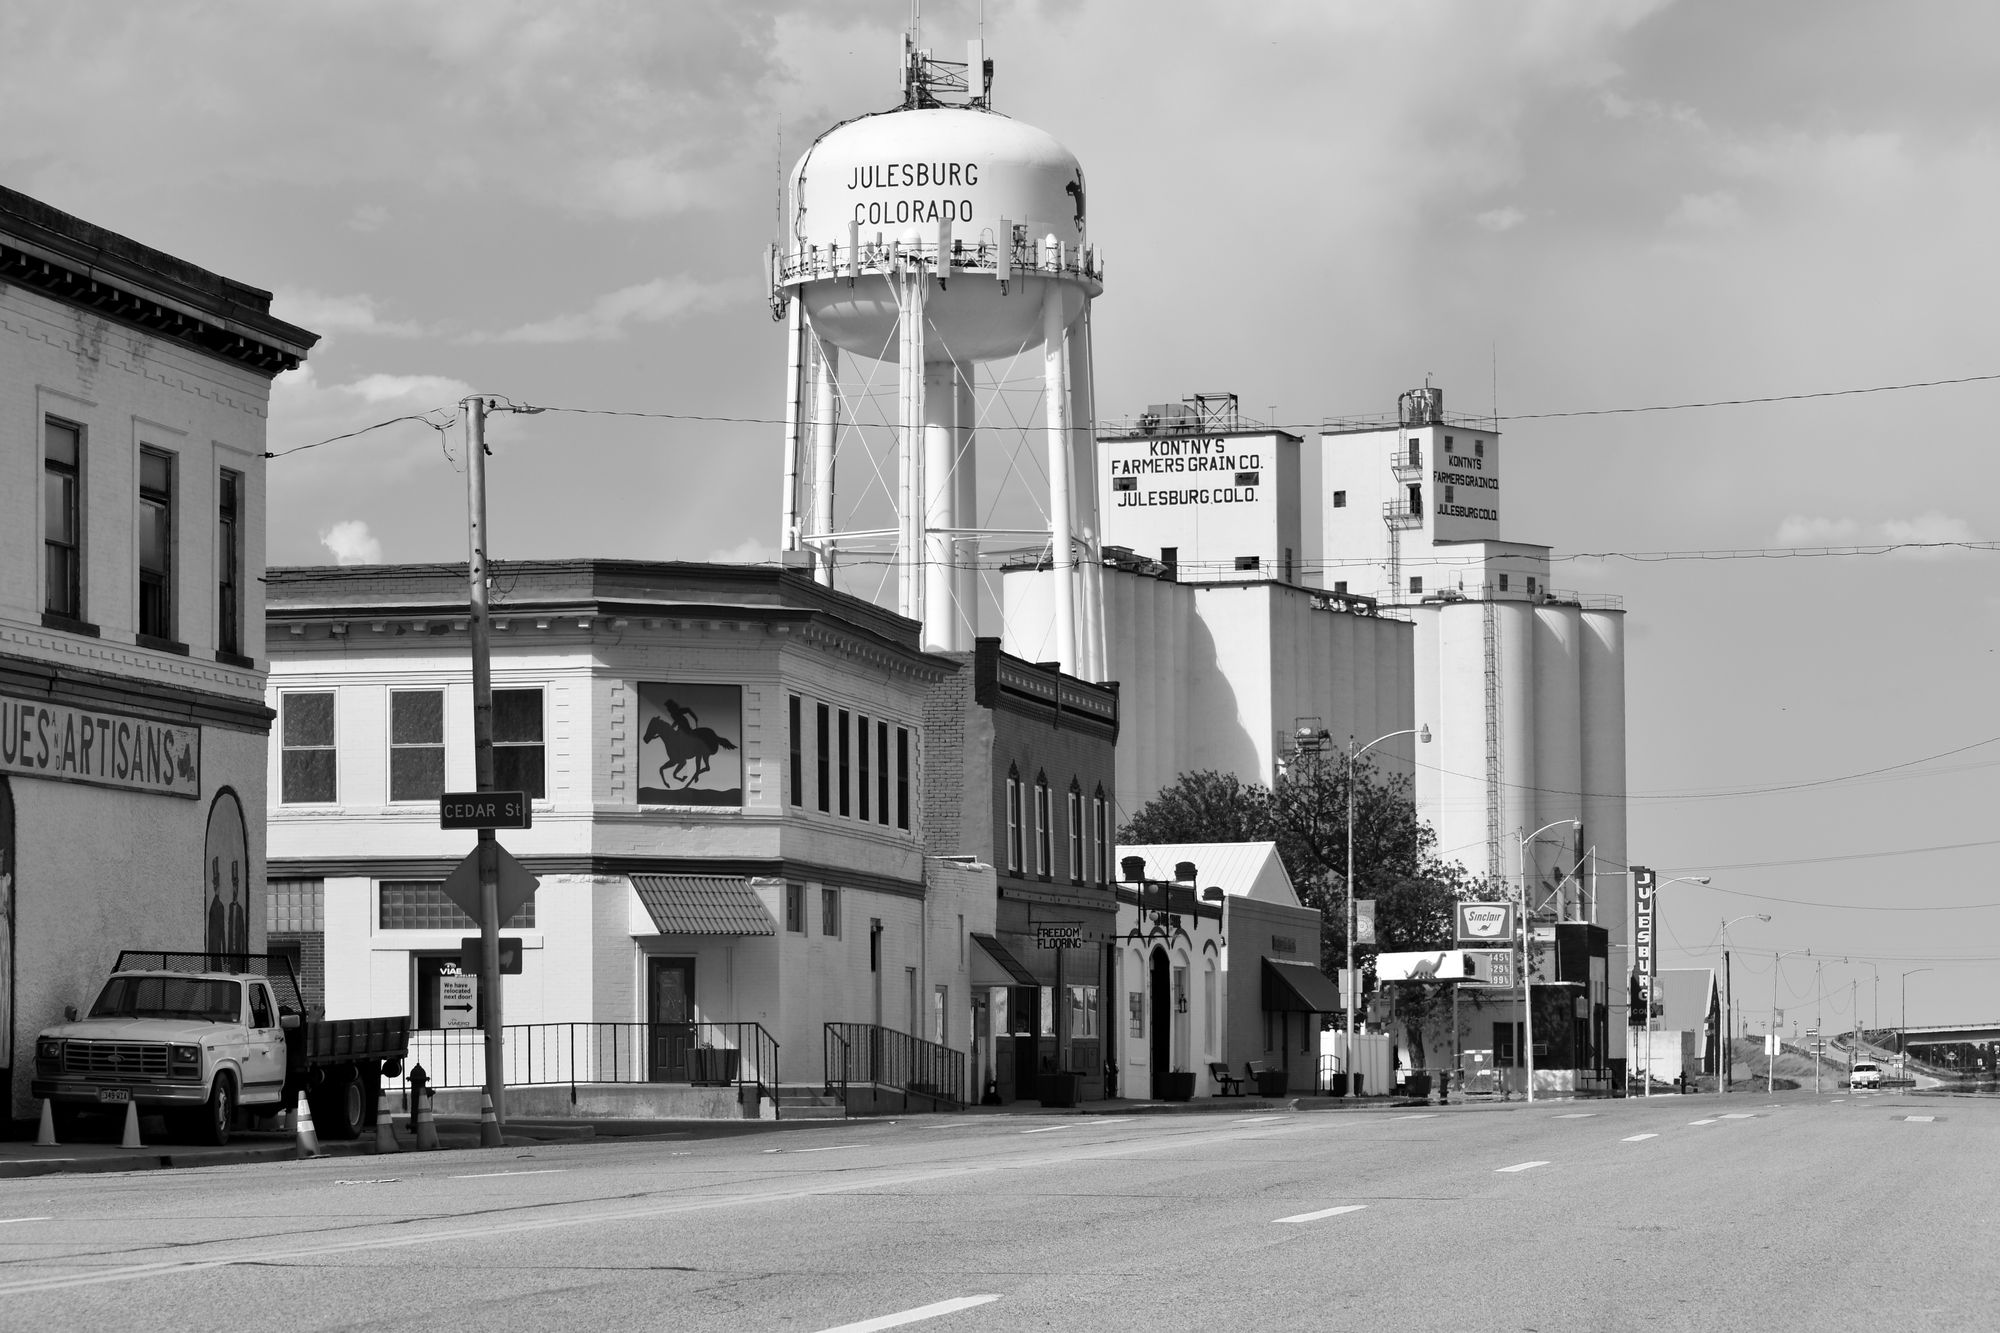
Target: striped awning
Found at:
703, 905
1004, 956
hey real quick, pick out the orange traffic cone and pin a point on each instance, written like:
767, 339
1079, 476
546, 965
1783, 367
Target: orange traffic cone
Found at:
302, 1129
131, 1139
424, 1123
46, 1136
489, 1125
385, 1125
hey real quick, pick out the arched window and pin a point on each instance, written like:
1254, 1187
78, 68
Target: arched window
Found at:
1043, 819
1014, 820
1100, 823
1076, 862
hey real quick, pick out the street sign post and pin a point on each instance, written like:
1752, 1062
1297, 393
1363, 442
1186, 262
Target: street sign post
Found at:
515, 888
510, 954
485, 809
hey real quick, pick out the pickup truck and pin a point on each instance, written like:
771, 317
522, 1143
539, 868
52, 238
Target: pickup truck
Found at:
203, 1037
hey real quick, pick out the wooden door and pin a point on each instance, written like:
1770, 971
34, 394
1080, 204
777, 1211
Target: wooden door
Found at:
670, 1017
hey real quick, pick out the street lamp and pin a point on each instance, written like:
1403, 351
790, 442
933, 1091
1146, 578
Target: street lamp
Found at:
1877, 1024
1771, 1075
1903, 1024
1654, 977
1727, 1053
1352, 990
1527, 998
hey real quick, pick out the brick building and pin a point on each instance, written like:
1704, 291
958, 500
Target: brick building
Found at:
134, 389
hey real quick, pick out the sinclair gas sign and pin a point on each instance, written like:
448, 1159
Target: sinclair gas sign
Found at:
1487, 924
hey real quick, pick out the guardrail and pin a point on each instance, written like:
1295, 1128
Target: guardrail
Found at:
545, 1054
886, 1058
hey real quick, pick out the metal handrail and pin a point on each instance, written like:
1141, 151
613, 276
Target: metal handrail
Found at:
551, 1054
870, 1053
1026, 255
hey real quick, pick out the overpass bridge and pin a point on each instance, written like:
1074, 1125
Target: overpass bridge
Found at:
1945, 1034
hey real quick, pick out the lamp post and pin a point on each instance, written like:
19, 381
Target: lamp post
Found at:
1726, 1054
1771, 1075
1527, 995
1653, 981
1352, 990
1903, 1024
1877, 1024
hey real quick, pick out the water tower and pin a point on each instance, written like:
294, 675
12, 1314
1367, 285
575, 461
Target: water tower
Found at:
937, 238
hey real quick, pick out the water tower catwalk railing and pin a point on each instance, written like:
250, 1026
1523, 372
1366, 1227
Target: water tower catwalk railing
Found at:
936, 540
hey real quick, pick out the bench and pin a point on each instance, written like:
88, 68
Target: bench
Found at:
1224, 1080
1258, 1073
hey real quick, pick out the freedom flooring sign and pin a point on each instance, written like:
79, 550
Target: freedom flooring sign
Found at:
39, 739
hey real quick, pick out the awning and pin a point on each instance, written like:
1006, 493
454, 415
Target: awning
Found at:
999, 954
1298, 988
703, 905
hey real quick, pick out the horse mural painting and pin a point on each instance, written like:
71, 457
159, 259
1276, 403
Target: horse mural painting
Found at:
697, 764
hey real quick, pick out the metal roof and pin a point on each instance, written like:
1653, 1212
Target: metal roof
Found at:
703, 905
1239, 869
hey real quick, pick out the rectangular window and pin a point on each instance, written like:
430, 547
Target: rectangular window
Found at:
416, 745
229, 562
941, 1015
1503, 583
1013, 823
845, 808
1083, 1011
1448, 493
295, 906
861, 736
798, 742
1247, 562
1075, 836
519, 750
1340, 585
1479, 448
1100, 812
305, 759
829, 912
1124, 483
1531, 584
156, 544
62, 505
420, 904
795, 908
1042, 829
823, 757
1340, 499
902, 778
1170, 556
1416, 583
1246, 479
882, 774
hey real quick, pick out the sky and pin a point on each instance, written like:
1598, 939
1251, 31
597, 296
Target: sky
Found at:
1543, 206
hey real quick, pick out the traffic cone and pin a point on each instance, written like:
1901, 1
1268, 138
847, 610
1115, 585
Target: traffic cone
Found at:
131, 1139
302, 1129
489, 1125
385, 1125
46, 1136
426, 1125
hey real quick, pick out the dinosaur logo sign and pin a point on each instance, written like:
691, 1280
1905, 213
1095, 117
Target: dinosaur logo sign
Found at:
690, 747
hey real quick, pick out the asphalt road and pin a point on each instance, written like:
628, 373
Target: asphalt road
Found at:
1843, 1211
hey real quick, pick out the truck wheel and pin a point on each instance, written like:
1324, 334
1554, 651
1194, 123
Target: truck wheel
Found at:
341, 1106
219, 1116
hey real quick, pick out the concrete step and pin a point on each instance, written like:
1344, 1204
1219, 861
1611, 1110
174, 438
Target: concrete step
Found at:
811, 1111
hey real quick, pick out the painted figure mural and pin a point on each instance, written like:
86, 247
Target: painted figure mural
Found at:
690, 744
226, 886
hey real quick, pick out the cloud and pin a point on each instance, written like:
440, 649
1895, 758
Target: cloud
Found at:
610, 315
1501, 219
339, 314
1799, 530
368, 218
351, 543
749, 551
1713, 211
1927, 529
304, 411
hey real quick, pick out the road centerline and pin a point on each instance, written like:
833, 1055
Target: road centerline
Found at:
922, 1312
1638, 1138
1316, 1216
1519, 1166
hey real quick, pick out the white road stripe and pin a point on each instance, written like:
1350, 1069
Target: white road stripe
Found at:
1639, 1138
1701, 1122
912, 1316
831, 1147
1421, 1115
1736, 1115
1576, 1115
9, 1221
1258, 1120
1324, 1212
1520, 1166
1920, 1119
1047, 1129
485, 1175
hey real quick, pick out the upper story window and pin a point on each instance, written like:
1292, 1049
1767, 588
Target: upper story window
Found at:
1100, 820
1042, 830
862, 735
795, 908
882, 776
416, 745
156, 544
1340, 499
1075, 834
306, 770
823, 731
903, 776
62, 520
420, 904
1013, 821
519, 748
229, 562
798, 753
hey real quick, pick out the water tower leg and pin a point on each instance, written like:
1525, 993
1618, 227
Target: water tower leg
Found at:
966, 571
1085, 500
911, 287
1055, 389
940, 506
826, 428
788, 532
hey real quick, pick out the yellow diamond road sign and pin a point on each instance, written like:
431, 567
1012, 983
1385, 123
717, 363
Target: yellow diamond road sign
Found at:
516, 884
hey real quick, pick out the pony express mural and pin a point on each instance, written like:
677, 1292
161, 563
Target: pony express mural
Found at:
690, 748
39, 739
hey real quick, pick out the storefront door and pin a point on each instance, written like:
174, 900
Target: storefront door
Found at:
1162, 1019
670, 1017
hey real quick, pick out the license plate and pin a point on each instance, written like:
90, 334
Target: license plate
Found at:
114, 1094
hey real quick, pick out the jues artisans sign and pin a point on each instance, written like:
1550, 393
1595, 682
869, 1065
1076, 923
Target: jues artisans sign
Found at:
39, 739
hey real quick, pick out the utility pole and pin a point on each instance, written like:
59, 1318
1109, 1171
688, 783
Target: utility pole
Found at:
1851, 1000
482, 761
1728, 1051
1819, 1023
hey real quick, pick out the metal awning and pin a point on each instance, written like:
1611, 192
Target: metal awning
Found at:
998, 953
703, 905
1298, 988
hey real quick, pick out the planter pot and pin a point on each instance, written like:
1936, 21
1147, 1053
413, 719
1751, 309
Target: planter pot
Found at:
1337, 1085
1178, 1087
1060, 1088
1419, 1085
1271, 1082
713, 1067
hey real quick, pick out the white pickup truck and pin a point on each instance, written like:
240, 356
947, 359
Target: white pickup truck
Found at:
201, 1037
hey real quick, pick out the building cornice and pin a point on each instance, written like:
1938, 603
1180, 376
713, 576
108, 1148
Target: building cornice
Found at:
437, 867
80, 687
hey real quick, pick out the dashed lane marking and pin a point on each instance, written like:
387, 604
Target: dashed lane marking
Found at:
1520, 1166
1701, 1122
1258, 1120
9, 1221
922, 1312
833, 1147
1576, 1115
1047, 1129
1639, 1138
1920, 1119
1421, 1115
1324, 1212
1736, 1115
489, 1175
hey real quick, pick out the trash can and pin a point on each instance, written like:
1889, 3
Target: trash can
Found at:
1062, 1087
1272, 1082
1177, 1086
1418, 1084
